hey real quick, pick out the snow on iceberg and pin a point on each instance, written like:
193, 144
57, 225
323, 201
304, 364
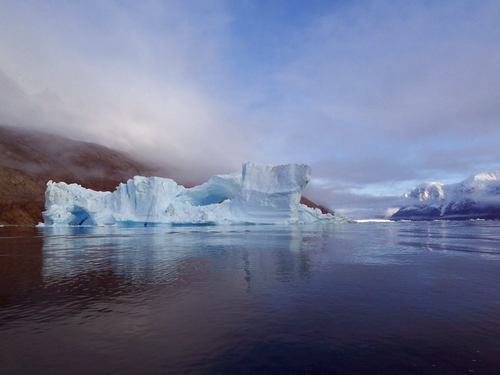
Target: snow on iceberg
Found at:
260, 194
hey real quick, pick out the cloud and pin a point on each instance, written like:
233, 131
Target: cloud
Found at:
144, 79
374, 94
347, 200
388, 90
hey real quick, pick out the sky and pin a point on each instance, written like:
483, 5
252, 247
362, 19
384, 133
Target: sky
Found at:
377, 96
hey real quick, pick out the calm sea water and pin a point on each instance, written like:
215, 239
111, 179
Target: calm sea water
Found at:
366, 298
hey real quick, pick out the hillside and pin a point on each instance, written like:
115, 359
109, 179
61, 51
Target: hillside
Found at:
29, 159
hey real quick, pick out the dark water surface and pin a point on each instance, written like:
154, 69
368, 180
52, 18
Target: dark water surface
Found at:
366, 298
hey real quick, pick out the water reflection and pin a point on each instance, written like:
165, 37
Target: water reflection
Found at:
21, 263
477, 237
256, 299
161, 256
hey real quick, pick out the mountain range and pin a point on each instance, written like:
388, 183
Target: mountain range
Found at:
477, 197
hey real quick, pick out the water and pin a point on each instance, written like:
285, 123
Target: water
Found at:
367, 298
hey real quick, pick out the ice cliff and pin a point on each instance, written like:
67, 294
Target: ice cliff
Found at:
477, 197
261, 194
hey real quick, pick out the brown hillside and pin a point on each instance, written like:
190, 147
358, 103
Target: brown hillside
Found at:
29, 159
311, 204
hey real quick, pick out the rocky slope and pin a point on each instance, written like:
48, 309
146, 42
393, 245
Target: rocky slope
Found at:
29, 159
477, 197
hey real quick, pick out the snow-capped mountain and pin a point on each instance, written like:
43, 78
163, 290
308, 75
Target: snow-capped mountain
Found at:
477, 197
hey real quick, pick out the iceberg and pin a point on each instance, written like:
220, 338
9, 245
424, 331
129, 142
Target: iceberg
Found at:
260, 194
